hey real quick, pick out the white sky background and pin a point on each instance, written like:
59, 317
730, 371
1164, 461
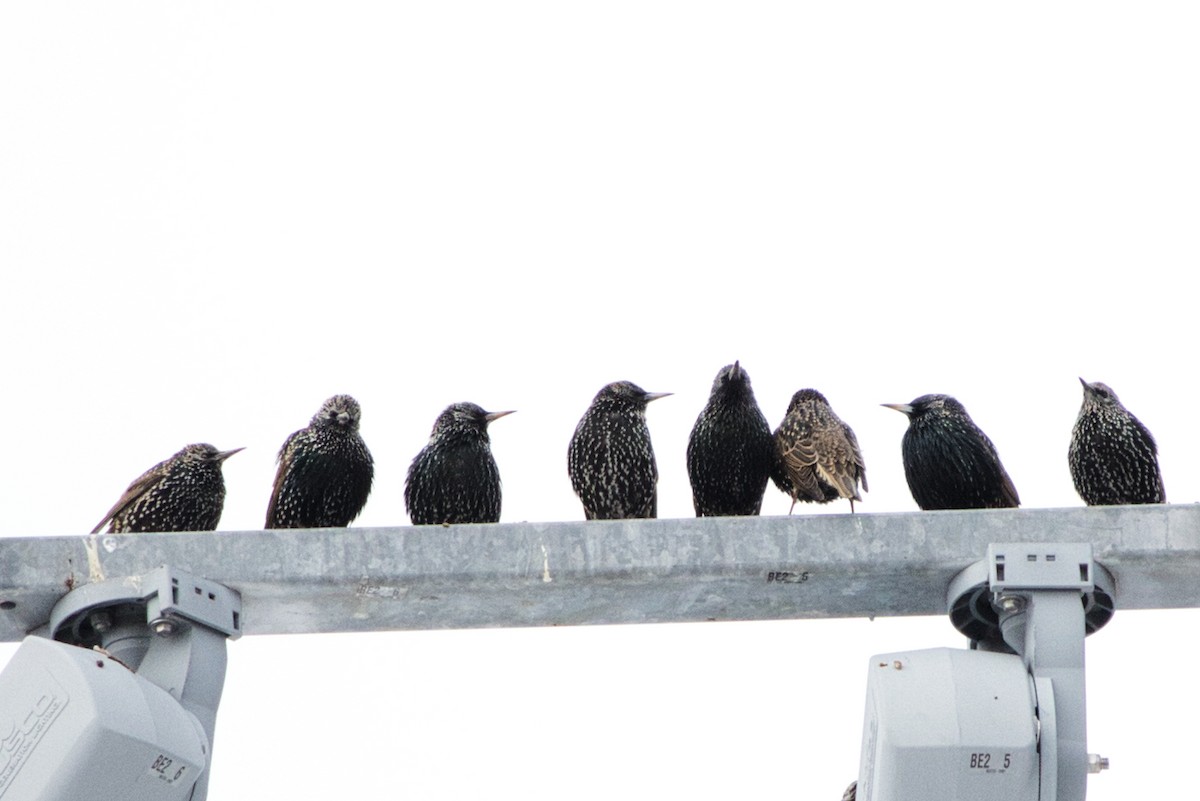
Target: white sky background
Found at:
212, 217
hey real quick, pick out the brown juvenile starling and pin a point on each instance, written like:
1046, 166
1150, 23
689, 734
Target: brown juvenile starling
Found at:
610, 459
818, 458
948, 461
1113, 457
183, 493
325, 471
454, 478
730, 451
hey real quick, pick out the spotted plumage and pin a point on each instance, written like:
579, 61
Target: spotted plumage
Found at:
1113, 457
948, 461
610, 459
325, 470
454, 478
819, 459
183, 493
730, 450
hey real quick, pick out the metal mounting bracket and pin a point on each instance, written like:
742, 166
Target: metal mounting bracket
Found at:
1039, 601
168, 626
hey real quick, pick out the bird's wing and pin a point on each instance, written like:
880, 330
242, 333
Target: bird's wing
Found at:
778, 470
1161, 496
135, 491
285, 463
799, 456
1007, 488
838, 477
653, 505
836, 464
1146, 435
856, 456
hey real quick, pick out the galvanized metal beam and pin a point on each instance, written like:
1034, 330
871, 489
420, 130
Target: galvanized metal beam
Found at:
643, 571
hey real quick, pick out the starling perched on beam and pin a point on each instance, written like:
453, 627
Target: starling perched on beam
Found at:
183, 493
948, 461
818, 455
325, 471
1113, 457
454, 478
610, 459
730, 451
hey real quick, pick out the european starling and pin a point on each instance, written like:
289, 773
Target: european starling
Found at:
454, 478
610, 459
948, 461
183, 493
325, 471
730, 451
818, 455
1113, 457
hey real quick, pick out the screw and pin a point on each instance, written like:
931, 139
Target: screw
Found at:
1097, 763
163, 626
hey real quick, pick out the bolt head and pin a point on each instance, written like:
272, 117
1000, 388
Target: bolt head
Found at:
101, 621
163, 627
1010, 603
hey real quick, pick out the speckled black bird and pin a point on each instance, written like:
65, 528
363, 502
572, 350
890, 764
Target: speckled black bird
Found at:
610, 459
730, 451
454, 478
183, 493
818, 458
325, 470
1113, 457
948, 461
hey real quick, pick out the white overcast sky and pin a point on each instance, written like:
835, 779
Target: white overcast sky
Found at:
213, 216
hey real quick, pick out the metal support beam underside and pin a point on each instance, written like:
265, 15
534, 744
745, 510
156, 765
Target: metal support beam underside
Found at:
600, 572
